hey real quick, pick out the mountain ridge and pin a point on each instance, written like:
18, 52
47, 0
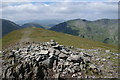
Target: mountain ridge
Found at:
31, 24
103, 30
8, 26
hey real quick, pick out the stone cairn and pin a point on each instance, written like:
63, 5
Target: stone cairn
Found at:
38, 61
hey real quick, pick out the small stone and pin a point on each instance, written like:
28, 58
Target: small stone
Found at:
48, 62
33, 54
52, 40
76, 64
81, 67
79, 73
64, 72
62, 55
98, 59
67, 63
56, 76
74, 75
92, 66
57, 46
43, 52
108, 57
38, 59
51, 50
57, 52
107, 51
74, 58
81, 54
104, 60
79, 77
71, 47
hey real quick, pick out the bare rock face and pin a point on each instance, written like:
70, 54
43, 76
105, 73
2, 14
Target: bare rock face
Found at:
38, 61
63, 56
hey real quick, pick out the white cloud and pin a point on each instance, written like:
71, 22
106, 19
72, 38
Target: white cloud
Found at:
58, 0
32, 0
59, 10
113, 0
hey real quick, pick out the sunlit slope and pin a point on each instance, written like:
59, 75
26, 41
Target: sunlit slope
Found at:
102, 30
41, 35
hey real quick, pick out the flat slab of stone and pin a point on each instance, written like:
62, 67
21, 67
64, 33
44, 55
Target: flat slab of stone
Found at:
62, 55
74, 57
43, 52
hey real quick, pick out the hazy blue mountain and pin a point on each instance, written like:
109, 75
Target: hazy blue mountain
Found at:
103, 30
32, 25
47, 22
7, 26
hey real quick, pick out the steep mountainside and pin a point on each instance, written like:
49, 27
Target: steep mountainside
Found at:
32, 25
104, 30
8, 26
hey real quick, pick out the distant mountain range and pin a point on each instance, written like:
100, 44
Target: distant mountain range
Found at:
9, 26
47, 22
103, 30
32, 25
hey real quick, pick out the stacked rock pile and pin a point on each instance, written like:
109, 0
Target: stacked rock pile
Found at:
37, 61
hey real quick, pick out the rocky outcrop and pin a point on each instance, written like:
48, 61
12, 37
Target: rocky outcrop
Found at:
37, 61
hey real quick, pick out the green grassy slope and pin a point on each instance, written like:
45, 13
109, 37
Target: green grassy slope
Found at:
103, 30
42, 35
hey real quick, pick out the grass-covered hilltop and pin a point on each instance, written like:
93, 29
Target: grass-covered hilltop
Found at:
42, 35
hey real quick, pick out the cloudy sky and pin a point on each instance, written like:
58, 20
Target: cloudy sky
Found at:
57, 0
64, 9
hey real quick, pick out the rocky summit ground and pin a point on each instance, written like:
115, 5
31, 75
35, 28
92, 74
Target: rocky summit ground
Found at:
37, 61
